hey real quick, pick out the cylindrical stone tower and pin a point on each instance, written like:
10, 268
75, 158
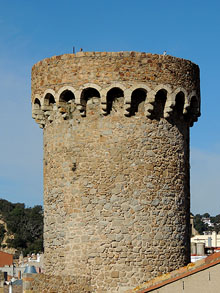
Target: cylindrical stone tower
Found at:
116, 164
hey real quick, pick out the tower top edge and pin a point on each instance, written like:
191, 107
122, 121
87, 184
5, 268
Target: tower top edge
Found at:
119, 54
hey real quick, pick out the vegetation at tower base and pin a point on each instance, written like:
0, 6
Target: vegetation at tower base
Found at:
23, 226
116, 164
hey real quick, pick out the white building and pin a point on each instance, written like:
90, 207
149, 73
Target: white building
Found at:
212, 240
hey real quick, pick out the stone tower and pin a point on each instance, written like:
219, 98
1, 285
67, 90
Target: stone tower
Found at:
116, 164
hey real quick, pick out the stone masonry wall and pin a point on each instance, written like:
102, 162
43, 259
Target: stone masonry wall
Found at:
116, 164
41, 283
109, 67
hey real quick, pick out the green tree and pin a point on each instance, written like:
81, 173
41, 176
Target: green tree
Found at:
216, 221
2, 232
206, 215
199, 225
26, 224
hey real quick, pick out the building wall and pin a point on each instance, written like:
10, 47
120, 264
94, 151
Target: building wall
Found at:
200, 282
215, 239
5, 259
40, 283
193, 230
116, 180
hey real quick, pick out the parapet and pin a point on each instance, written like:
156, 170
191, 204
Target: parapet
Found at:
166, 86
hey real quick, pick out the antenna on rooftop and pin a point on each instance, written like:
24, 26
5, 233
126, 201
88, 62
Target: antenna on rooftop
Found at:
73, 50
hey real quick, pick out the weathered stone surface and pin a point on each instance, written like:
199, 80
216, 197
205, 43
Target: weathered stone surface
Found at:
116, 167
41, 283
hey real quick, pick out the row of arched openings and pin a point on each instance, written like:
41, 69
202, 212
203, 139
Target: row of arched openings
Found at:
115, 98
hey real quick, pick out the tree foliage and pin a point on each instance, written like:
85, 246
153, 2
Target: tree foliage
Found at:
200, 226
216, 222
2, 232
26, 224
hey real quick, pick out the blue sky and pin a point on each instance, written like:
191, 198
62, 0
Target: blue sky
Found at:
32, 30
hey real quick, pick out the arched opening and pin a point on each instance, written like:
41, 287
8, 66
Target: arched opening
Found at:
66, 96
90, 96
36, 108
179, 105
159, 104
138, 98
49, 100
115, 99
37, 104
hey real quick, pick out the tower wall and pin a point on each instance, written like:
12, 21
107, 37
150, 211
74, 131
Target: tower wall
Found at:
116, 164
